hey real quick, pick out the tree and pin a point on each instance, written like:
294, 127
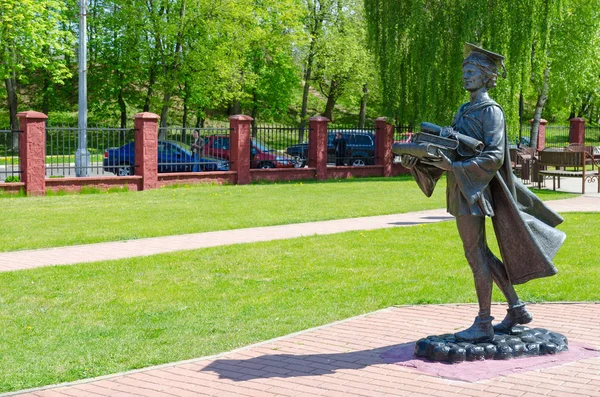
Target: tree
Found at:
31, 39
317, 13
342, 58
270, 73
575, 64
114, 49
418, 45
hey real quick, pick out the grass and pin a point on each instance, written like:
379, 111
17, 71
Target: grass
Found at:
71, 322
39, 222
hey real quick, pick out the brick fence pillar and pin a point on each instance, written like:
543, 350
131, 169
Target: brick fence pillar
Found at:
384, 137
32, 151
317, 145
239, 152
541, 139
146, 149
577, 130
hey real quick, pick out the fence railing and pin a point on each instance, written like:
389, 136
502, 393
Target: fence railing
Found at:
9, 156
351, 146
557, 136
277, 146
592, 136
404, 133
62, 145
193, 149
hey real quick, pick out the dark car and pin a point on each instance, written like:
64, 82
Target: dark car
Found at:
172, 157
261, 155
360, 148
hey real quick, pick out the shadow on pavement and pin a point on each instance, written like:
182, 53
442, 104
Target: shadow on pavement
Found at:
292, 365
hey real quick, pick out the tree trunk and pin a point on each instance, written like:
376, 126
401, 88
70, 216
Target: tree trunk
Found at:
585, 105
253, 114
122, 108
199, 120
236, 108
331, 99
150, 92
164, 114
328, 112
307, 77
539, 107
362, 114
304, 109
46, 94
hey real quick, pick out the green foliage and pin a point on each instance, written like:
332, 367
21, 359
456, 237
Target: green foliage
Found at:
419, 47
12, 178
343, 63
270, 73
32, 37
187, 60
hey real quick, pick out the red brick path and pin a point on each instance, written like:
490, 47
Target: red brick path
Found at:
343, 359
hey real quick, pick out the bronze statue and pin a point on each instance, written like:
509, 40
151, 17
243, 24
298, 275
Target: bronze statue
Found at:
480, 183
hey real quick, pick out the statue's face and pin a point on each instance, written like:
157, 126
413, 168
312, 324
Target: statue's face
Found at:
473, 78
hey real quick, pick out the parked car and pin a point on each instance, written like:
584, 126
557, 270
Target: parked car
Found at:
261, 155
360, 148
172, 157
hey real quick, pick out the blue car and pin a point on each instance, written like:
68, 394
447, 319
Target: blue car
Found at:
172, 157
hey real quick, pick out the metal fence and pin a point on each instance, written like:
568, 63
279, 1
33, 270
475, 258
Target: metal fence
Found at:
404, 133
592, 136
10, 170
557, 136
351, 146
194, 149
277, 146
62, 145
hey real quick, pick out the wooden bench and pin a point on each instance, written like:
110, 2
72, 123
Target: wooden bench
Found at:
521, 160
567, 163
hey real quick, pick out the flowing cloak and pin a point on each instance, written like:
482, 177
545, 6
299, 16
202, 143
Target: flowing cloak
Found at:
484, 185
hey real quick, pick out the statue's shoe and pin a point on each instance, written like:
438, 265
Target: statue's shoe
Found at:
480, 331
516, 315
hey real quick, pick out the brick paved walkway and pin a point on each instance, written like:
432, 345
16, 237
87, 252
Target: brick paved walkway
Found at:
344, 359
18, 260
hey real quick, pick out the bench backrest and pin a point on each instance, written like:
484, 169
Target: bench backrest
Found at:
576, 147
562, 159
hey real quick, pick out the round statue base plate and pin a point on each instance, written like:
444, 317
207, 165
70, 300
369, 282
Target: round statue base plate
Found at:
520, 342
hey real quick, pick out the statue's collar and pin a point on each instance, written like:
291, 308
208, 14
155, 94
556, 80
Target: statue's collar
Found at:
471, 107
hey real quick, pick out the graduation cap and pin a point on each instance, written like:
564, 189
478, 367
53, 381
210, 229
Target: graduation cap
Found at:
490, 59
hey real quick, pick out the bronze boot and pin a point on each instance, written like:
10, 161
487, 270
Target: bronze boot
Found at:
480, 331
515, 315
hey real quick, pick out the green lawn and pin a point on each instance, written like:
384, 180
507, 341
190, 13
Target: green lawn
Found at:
71, 322
51, 221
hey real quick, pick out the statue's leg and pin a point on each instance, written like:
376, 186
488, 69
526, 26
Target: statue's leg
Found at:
501, 278
471, 229
517, 312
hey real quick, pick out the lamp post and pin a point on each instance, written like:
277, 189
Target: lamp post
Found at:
82, 156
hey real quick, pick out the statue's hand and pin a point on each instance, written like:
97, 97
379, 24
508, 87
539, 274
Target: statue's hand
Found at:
447, 132
443, 162
408, 161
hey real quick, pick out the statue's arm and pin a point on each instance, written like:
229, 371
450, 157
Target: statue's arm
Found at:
475, 173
